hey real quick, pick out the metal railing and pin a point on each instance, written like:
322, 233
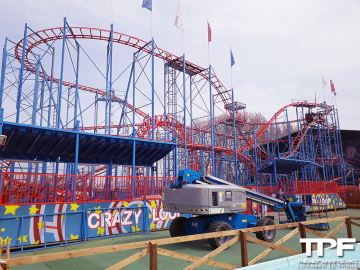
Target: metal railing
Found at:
50, 188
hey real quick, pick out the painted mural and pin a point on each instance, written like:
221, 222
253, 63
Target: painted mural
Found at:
43, 224
331, 201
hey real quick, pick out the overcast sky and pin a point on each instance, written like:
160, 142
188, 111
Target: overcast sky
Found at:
282, 48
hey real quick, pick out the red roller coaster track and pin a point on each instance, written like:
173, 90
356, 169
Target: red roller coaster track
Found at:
45, 36
51, 34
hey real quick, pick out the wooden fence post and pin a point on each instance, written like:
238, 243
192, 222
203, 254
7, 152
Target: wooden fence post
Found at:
348, 227
302, 235
1, 261
7, 267
243, 246
153, 256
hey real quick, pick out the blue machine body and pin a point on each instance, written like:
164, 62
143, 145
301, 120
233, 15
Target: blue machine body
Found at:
200, 224
295, 211
186, 176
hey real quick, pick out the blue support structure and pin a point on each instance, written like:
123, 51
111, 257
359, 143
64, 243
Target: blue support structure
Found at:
2, 76
1, 130
42, 92
76, 161
133, 164
235, 138
96, 102
51, 88
152, 88
21, 76
35, 99
184, 106
213, 161
123, 109
58, 111
77, 87
191, 109
2, 83
108, 98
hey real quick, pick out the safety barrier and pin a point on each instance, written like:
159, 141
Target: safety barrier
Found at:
300, 187
350, 195
20, 188
52, 188
151, 247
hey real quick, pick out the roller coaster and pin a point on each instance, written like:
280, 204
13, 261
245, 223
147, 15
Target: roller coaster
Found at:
94, 123
192, 113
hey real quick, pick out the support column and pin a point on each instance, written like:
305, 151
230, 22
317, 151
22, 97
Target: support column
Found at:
213, 162
191, 111
184, 105
1, 127
96, 111
3, 70
58, 115
133, 164
21, 76
77, 86
51, 87
235, 138
76, 161
152, 88
108, 89
2, 83
34, 110
42, 92
35, 98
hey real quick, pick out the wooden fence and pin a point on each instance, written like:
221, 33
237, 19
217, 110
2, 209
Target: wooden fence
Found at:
152, 249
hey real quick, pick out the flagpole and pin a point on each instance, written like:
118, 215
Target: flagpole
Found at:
208, 53
179, 25
182, 40
151, 25
330, 95
148, 5
231, 70
323, 87
334, 99
111, 12
28, 13
208, 42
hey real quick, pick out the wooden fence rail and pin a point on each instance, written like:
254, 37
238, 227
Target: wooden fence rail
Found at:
151, 247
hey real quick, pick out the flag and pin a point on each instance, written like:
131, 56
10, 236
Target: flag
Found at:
178, 20
324, 83
147, 4
209, 31
232, 59
332, 86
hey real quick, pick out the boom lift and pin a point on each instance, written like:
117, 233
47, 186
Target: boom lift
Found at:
218, 205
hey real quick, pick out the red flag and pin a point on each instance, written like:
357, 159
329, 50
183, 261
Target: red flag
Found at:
332, 86
209, 32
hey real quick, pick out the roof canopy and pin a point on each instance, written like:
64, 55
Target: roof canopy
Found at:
27, 142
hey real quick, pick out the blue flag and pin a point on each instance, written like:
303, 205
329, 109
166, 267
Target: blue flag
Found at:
147, 4
232, 59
